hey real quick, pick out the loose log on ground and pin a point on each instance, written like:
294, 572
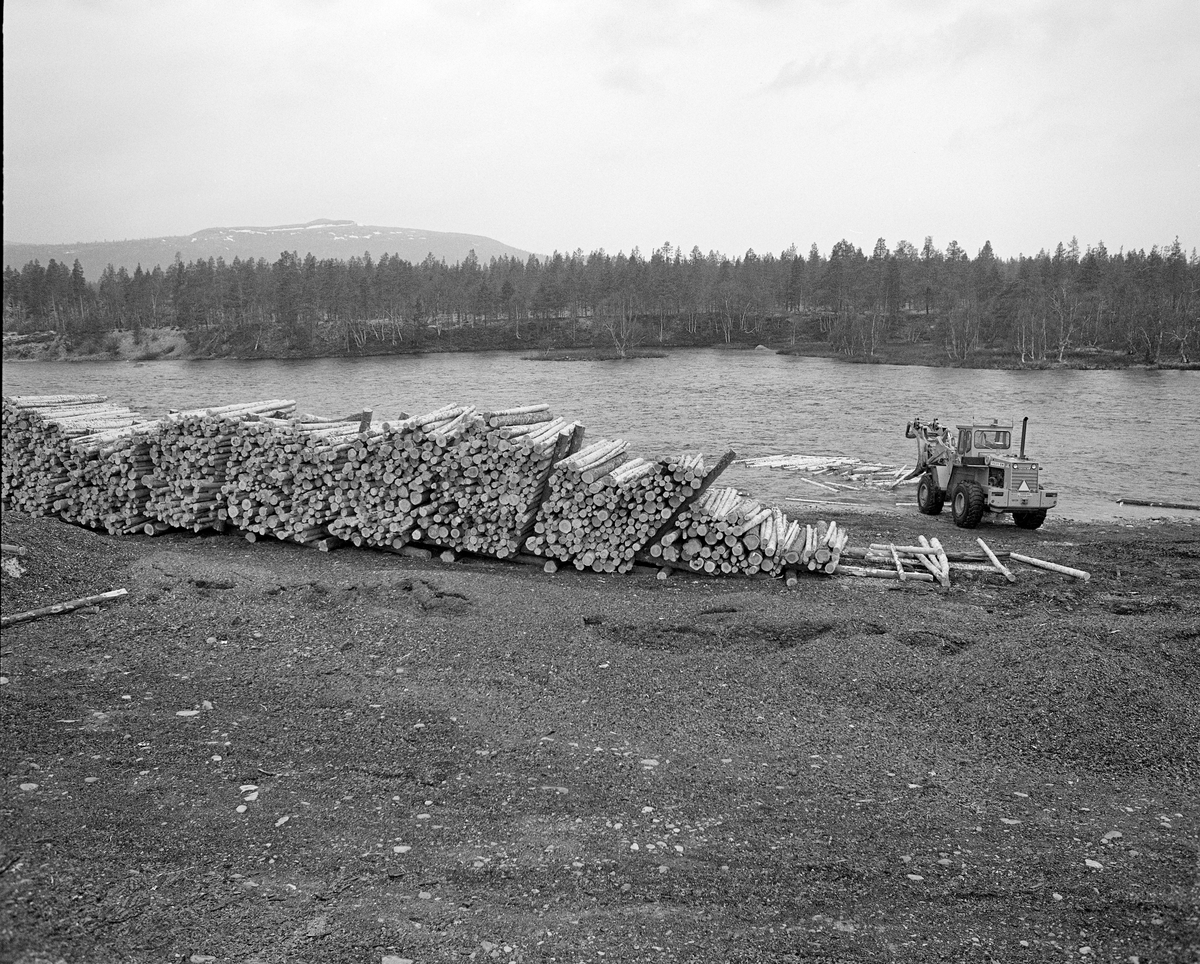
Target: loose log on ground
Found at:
62, 607
1050, 566
1000, 567
864, 573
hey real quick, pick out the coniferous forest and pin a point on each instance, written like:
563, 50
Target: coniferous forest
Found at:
925, 305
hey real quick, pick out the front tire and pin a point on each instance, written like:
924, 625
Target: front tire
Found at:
968, 505
1030, 518
930, 498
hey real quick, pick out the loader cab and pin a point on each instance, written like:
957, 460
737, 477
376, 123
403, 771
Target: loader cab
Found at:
984, 438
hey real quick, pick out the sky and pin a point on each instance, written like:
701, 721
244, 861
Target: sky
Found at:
609, 124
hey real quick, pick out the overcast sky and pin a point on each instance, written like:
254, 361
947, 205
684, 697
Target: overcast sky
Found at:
550, 125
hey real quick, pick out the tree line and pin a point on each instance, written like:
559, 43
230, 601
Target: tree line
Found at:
1034, 309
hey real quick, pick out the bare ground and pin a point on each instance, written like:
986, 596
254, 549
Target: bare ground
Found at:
480, 761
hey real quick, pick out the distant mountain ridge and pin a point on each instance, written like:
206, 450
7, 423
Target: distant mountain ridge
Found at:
323, 238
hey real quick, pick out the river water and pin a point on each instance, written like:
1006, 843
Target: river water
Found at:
1100, 435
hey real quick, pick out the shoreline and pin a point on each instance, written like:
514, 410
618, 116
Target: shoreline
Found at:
170, 344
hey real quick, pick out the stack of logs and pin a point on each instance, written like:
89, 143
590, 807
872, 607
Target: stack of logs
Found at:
603, 507
74, 455
500, 483
108, 469
189, 454
282, 476
454, 477
723, 533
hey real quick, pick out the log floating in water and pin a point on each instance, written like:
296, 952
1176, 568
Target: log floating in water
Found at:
1160, 505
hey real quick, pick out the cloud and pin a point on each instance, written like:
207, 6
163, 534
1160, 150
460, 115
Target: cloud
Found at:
799, 74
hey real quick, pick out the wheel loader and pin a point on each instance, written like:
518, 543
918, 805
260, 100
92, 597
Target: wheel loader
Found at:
976, 471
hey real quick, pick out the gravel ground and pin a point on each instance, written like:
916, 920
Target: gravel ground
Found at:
267, 754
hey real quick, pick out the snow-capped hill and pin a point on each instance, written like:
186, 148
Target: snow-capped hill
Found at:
323, 238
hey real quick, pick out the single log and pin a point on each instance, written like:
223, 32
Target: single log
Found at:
862, 573
1051, 566
822, 485
1000, 568
13, 550
905, 550
974, 567
62, 607
1160, 505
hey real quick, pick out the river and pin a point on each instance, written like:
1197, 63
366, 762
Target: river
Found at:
1100, 435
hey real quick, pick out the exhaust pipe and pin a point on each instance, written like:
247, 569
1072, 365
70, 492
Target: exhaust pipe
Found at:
1024, 426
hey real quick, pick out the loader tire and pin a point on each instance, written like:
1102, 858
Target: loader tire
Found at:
930, 498
968, 505
1030, 518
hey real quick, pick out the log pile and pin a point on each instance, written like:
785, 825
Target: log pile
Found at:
389, 475
504, 484
190, 453
495, 478
602, 506
453, 478
723, 533
926, 562
282, 476
42, 472
108, 470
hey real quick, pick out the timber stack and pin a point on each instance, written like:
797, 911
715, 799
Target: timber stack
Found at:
724, 533
517, 482
603, 507
389, 475
453, 478
42, 472
190, 455
282, 474
494, 477
109, 469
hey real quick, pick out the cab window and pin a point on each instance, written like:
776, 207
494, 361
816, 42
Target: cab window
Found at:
992, 439
964, 441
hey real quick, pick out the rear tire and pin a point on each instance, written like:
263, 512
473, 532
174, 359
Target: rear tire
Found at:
930, 499
969, 503
1030, 518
